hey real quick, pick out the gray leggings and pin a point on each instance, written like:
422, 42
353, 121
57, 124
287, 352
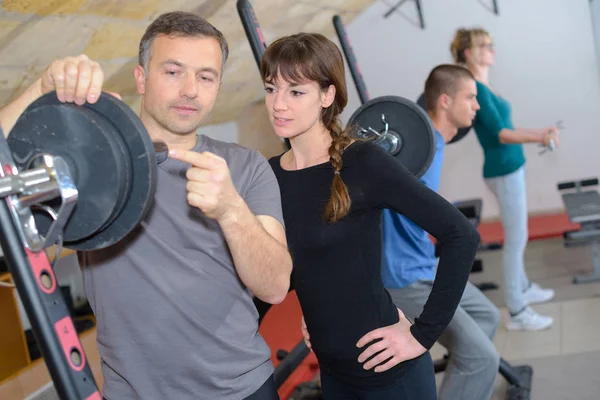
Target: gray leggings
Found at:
511, 193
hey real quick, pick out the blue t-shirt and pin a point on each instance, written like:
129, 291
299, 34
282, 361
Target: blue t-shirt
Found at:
408, 252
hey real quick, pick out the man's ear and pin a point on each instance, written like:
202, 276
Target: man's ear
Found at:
444, 101
140, 79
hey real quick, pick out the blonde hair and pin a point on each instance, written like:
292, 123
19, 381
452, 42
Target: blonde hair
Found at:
465, 39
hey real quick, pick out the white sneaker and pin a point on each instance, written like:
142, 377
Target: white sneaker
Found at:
528, 320
536, 294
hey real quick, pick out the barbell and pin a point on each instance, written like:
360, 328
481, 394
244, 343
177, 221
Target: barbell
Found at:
110, 164
77, 176
400, 127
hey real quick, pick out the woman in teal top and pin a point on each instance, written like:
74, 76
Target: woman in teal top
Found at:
504, 174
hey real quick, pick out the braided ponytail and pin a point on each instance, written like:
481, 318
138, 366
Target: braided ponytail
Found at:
339, 201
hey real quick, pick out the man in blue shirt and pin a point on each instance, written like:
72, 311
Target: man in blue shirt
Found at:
409, 262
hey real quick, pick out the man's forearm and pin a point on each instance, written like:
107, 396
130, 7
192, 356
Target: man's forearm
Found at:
10, 113
521, 136
263, 263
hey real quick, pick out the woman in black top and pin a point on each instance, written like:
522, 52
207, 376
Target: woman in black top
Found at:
333, 192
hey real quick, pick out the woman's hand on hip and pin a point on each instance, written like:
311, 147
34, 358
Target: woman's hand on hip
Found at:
395, 344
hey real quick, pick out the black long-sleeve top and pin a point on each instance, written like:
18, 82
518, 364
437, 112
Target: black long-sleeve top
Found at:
336, 272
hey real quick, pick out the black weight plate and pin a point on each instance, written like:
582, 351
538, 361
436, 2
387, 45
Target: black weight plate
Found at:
408, 120
129, 129
462, 132
88, 143
144, 172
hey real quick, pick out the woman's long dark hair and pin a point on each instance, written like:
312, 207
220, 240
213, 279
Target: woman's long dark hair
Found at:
312, 57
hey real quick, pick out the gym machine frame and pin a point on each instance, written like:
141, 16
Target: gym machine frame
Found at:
518, 377
46, 178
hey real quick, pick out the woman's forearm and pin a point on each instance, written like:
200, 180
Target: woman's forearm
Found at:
520, 135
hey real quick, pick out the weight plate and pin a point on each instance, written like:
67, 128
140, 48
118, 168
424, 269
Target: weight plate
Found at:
462, 132
83, 141
111, 159
408, 125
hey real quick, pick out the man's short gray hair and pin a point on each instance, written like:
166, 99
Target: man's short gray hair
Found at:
179, 23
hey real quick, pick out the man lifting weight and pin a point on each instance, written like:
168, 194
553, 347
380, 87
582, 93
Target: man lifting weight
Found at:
173, 300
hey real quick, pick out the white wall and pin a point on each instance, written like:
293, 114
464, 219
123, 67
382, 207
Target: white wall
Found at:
546, 66
226, 132
595, 11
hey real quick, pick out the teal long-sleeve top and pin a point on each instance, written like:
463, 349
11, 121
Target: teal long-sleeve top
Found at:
494, 115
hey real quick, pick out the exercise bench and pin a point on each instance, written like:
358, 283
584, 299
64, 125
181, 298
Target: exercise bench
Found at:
583, 207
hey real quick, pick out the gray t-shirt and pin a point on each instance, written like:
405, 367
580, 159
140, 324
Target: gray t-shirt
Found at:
174, 321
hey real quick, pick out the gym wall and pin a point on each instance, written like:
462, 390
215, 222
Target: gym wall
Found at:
595, 11
227, 132
546, 66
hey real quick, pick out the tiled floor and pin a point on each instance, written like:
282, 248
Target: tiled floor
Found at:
576, 308
550, 264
